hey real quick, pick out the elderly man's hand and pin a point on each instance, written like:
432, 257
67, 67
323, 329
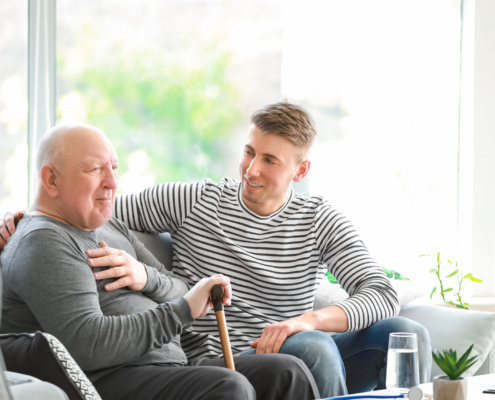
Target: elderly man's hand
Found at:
131, 272
199, 296
7, 226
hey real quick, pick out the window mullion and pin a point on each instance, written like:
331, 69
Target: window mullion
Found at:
41, 79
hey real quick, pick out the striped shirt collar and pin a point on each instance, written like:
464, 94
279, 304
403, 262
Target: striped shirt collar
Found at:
248, 211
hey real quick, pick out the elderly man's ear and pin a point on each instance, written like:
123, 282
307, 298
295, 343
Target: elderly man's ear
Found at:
49, 179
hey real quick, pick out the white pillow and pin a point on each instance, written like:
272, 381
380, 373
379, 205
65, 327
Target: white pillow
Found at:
451, 328
331, 293
408, 291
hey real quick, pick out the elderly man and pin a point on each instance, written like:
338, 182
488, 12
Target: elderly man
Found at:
127, 339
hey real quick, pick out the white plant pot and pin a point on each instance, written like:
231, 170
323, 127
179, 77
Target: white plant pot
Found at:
445, 389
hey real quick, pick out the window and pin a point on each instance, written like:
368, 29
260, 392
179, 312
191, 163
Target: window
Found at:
382, 79
13, 106
173, 85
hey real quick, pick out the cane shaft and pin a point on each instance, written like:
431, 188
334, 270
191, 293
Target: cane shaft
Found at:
224, 339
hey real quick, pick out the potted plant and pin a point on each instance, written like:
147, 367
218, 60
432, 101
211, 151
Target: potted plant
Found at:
452, 386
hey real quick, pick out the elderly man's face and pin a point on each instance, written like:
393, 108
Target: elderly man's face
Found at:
87, 179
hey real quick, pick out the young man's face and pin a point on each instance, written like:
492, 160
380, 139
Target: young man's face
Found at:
268, 165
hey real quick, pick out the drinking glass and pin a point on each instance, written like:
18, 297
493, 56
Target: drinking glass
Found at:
402, 362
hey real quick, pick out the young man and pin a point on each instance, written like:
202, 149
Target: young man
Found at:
275, 245
126, 340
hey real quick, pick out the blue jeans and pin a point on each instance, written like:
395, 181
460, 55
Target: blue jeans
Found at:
362, 354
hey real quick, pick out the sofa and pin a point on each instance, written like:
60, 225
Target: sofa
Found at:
448, 328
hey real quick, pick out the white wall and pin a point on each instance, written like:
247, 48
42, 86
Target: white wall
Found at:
483, 167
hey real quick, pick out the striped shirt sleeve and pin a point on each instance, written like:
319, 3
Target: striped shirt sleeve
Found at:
158, 209
371, 295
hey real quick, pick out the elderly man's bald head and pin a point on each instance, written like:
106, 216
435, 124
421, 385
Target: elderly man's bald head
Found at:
77, 166
53, 144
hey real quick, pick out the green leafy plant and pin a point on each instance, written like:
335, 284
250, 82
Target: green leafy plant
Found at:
452, 366
389, 272
394, 275
330, 277
178, 107
455, 291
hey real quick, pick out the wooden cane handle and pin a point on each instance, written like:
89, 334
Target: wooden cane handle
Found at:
217, 297
217, 300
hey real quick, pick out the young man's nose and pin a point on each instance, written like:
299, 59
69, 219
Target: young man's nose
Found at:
253, 169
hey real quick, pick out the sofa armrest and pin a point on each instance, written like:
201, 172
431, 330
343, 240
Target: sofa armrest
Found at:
37, 390
457, 329
25, 387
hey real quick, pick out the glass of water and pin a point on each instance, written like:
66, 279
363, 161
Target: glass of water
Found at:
402, 362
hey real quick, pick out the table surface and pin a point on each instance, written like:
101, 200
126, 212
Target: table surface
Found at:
476, 385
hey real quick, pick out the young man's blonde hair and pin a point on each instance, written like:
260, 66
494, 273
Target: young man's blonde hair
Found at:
289, 121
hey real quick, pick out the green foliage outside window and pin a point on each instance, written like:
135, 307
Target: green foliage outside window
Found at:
179, 116
389, 272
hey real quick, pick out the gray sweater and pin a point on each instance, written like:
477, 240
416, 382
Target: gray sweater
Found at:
49, 286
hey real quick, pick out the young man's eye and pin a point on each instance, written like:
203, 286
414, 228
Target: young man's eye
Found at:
270, 161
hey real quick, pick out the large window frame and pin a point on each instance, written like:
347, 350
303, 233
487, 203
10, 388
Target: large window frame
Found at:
476, 168
477, 146
41, 79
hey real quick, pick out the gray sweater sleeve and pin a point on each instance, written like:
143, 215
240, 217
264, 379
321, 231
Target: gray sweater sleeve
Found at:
55, 282
162, 284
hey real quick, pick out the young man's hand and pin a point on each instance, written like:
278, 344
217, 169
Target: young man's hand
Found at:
329, 319
199, 296
274, 335
7, 226
131, 272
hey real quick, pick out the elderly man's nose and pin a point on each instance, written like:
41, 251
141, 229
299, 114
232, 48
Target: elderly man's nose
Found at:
110, 179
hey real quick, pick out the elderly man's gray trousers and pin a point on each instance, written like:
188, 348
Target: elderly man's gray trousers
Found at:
261, 377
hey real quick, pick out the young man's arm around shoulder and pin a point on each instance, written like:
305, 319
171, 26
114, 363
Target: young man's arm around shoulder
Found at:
158, 209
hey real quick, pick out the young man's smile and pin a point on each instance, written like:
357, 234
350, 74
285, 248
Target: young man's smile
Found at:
249, 185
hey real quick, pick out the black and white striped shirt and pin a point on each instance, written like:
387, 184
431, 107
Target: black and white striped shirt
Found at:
275, 263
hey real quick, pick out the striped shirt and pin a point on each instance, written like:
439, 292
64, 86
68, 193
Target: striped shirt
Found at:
275, 263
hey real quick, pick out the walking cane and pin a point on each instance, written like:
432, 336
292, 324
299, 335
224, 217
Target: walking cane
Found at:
217, 300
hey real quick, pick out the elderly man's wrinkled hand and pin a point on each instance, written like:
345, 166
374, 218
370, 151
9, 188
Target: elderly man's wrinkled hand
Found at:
7, 226
198, 297
131, 272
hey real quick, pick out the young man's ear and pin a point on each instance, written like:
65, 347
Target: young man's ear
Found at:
49, 180
302, 170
